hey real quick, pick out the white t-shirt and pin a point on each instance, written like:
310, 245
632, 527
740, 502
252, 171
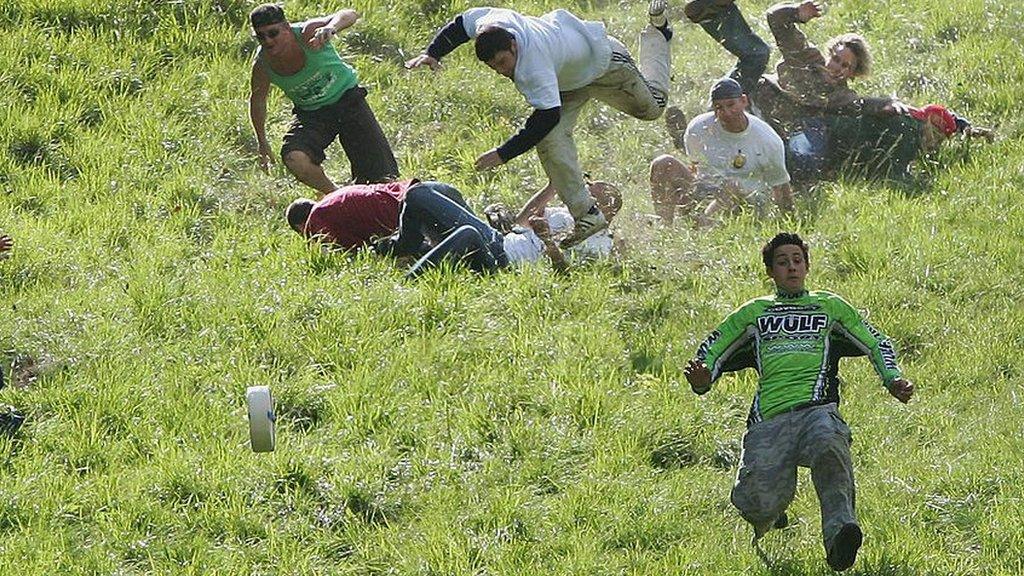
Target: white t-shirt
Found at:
754, 158
525, 246
557, 52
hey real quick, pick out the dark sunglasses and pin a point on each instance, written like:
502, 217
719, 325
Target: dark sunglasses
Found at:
268, 35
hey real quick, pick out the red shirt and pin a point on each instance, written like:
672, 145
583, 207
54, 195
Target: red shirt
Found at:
351, 216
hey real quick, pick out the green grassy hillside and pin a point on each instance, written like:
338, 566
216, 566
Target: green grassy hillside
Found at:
521, 424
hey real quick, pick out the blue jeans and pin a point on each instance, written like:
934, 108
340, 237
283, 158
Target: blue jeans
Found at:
807, 149
734, 34
456, 233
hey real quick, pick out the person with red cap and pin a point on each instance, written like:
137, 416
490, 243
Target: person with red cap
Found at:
885, 147
940, 124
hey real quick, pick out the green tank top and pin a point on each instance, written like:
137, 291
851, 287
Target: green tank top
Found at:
322, 81
792, 339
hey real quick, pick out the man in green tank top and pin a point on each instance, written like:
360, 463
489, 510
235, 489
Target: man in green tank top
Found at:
328, 100
794, 419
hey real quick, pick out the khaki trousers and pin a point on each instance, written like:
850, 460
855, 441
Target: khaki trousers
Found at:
641, 93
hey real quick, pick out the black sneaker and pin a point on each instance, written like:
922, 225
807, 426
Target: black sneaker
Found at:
10, 421
843, 552
781, 522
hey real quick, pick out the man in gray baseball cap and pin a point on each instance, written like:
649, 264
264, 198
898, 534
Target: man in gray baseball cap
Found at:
735, 157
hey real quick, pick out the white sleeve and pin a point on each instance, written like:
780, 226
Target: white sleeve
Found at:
539, 85
775, 173
471, 17
694, 144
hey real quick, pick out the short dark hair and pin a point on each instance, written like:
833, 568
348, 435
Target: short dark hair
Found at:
266, 14
859, 46
492, 40
783, 239
298, 213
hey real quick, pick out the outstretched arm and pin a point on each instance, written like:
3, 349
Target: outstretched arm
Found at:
989, 134
713, 354
538, 125
876, 345
259, 88
535, 205
319, 31
448, 38
783, 20
551, 249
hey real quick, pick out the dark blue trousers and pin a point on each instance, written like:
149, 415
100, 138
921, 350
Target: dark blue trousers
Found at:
456, 234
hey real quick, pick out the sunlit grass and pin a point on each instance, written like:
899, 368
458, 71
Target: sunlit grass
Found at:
520, 424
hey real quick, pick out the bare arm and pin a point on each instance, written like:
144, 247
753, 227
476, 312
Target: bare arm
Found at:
551, 249
319, 31
783, 196
989, 134
535, 205
259, 87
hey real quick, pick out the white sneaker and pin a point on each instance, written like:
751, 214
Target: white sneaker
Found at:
586, 226
656, 12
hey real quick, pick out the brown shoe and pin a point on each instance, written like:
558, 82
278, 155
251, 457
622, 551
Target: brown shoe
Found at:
675, 122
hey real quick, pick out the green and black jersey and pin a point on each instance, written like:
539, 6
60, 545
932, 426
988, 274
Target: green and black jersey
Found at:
793, 339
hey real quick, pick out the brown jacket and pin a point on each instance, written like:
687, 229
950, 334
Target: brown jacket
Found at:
799, 88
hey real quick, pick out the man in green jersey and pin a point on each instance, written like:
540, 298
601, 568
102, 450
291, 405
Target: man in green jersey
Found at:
329, 102
794, 420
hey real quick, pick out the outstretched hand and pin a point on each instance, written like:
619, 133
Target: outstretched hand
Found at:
902, 389
988, 134
809, 10
321, 37
488, 160
266, 158
698, 375
423, 60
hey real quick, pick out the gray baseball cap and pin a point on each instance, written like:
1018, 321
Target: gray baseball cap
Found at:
726, 88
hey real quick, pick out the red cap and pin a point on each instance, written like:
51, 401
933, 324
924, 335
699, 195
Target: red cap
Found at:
938, 115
